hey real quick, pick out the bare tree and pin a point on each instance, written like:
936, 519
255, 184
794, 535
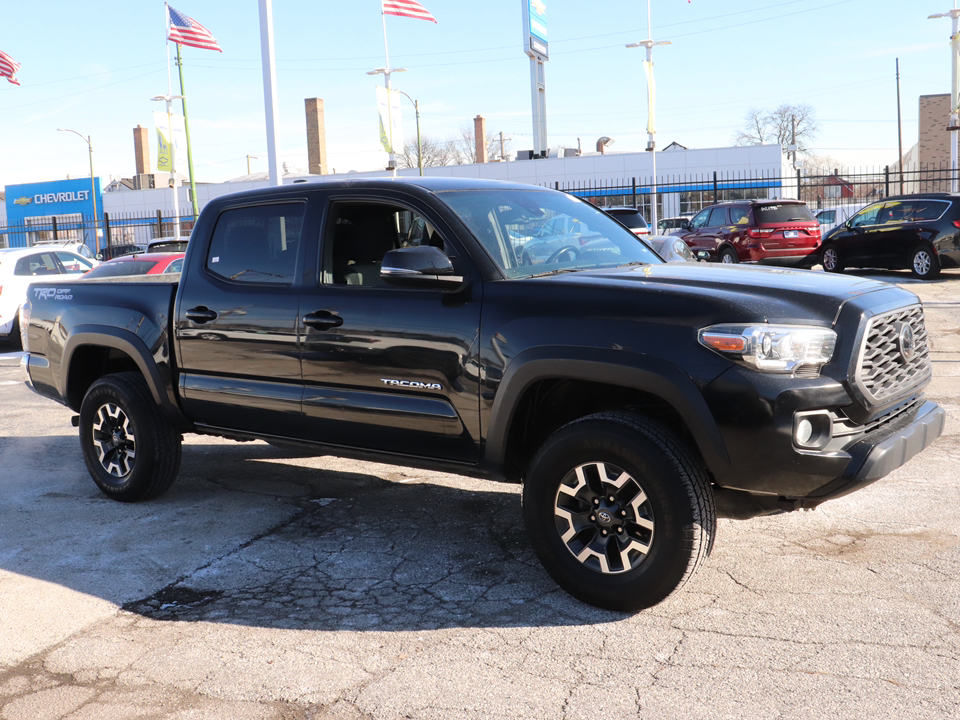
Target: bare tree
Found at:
784, 125
465, 146
436, 153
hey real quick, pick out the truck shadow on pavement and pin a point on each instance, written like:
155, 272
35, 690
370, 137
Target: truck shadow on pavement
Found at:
254, 535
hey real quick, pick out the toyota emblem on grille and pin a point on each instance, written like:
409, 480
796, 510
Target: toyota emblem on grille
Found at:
906, 343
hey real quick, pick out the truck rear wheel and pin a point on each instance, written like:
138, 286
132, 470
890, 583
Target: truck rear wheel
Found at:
618, 510
131, 450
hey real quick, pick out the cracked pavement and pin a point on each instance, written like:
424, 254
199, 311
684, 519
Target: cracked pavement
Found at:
266, 585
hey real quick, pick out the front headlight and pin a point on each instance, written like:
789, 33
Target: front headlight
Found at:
772, 348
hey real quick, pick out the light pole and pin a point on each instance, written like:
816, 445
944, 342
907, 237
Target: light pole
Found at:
249, 158
416, 110
386, 72
93, 188
954, 90
168, 99
651, 111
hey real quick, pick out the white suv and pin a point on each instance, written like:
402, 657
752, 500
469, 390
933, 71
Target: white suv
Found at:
21, 266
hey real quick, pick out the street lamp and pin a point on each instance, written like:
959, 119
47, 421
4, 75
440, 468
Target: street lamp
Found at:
386, 72
954, 89
651, 110
249, 158
93, 188
416, 109
168, 99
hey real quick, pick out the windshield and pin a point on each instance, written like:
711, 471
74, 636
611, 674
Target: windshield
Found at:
537, 232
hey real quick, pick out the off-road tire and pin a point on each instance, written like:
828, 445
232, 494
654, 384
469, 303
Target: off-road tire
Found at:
664, 510
131, 449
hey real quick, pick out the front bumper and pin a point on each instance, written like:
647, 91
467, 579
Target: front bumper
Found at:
873, 458
756, 415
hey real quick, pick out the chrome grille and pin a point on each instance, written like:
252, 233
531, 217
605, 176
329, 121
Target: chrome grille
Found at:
885, 369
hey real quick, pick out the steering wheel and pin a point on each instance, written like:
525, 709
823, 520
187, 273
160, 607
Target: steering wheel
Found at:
574, 254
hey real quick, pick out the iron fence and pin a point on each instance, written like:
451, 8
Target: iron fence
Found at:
112, 230
675, 195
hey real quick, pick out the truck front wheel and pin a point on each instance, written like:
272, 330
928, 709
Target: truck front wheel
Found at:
131, 450
618, 510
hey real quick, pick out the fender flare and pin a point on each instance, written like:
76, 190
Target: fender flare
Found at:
651, 375
131, 345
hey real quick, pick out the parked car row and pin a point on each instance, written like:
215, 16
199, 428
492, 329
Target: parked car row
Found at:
19, 267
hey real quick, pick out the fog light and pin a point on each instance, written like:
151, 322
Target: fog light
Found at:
812, 430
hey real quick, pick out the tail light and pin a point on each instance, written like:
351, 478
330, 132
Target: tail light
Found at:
760, 233
956, 224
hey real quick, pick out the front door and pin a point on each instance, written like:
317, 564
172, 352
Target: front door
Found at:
385, 367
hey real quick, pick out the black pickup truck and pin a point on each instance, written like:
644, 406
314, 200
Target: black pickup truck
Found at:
402, 320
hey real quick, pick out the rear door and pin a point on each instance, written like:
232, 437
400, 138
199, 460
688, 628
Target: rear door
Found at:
236, 326
385, 367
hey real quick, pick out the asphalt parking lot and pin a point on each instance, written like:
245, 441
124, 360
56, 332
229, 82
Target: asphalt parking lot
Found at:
266, 585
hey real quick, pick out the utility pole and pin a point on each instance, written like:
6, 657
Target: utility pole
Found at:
899, 128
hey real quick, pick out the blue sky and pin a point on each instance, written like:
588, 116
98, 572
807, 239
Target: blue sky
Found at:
94, 67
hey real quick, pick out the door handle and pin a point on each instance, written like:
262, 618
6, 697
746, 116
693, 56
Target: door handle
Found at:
200, 315
322, 320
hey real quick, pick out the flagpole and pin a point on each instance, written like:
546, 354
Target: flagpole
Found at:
186, 131
270, 106
392, 162
172, 139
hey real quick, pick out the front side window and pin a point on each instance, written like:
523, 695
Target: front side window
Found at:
257, 244
501, 220
867, 216
701, 219
73, 263
360, 234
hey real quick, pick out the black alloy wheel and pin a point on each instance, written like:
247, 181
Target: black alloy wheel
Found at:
618, 510
130, 449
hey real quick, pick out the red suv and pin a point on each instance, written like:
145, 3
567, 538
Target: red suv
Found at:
773, 232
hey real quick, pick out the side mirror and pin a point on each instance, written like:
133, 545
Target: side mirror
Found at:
424, 266
685, 224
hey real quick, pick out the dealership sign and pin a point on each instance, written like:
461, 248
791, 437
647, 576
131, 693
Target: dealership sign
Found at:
47, 198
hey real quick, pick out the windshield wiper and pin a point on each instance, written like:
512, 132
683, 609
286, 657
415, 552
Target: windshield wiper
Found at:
558, 271
634, 263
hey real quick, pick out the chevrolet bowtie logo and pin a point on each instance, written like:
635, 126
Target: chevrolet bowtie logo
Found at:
23, 201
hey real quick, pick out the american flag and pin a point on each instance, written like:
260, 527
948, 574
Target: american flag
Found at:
187, 31
8, 68
406, 8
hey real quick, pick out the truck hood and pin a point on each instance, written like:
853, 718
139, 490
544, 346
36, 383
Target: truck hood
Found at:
745, 291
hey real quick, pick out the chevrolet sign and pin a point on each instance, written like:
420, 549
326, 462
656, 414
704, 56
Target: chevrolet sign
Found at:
23, 201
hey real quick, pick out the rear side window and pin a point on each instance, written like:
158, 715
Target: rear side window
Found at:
788, 212
39, 264
739, 215
921, 210
257, 244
